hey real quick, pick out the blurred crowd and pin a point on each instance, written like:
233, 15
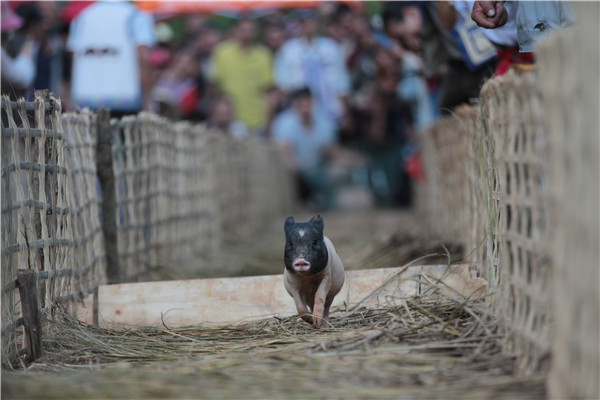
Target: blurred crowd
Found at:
344, 87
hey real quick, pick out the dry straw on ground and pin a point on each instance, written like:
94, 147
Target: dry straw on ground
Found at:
438, 346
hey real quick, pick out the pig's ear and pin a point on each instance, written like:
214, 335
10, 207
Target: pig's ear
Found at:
318, 223
288, 223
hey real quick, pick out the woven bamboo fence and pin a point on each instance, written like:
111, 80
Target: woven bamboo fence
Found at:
49, 209
163, 202
526, 189
180, 187
488, 163
512, 117
451, 197
485, 182
177, 188
569, 65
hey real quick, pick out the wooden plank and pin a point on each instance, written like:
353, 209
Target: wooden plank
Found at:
234, 300
85, 309
31, 313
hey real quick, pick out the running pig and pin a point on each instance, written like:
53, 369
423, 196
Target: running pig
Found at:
314, 272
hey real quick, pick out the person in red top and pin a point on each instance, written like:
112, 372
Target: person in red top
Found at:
177, 94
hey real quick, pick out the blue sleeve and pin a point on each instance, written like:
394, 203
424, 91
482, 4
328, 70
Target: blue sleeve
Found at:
326, 126
285, 72
332, 136
281, 71
281, 128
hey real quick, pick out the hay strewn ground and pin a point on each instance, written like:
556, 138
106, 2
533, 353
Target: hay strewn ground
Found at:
417, 349
436, 347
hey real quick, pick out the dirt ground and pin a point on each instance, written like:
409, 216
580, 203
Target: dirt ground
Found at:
420, 350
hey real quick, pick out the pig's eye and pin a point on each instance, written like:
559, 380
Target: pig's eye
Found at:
290, 243
315, 242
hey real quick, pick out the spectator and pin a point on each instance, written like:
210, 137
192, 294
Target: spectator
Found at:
49, 52
161, 56
109, 41
517, 26
177, 94
389, 131
243, 70
458, 12
363, 71
317, 63
204, 44
459, 80
274, 100
403, 25
274, 37
384, 100
457, 18
221, 117
337, 30
403, 22
307, 138
194, 25
18, 70
533, 20
412, 88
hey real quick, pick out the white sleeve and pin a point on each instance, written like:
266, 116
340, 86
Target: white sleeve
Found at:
74, 34
280, 130
281, 68
463, 11
342, 79
143, 29
20, 70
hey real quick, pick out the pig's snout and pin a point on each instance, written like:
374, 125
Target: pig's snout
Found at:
301, 265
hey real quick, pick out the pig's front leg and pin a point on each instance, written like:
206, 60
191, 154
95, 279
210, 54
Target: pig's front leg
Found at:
302, 308
328, 302
321, 307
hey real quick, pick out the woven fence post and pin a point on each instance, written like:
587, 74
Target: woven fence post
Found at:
104, 166
31, 313
569, 64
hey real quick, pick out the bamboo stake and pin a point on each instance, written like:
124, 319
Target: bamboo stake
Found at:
31, 313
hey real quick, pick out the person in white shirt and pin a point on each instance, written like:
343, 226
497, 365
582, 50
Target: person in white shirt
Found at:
109, 41
317, 63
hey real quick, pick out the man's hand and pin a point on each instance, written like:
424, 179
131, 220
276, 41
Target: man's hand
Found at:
489, 14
